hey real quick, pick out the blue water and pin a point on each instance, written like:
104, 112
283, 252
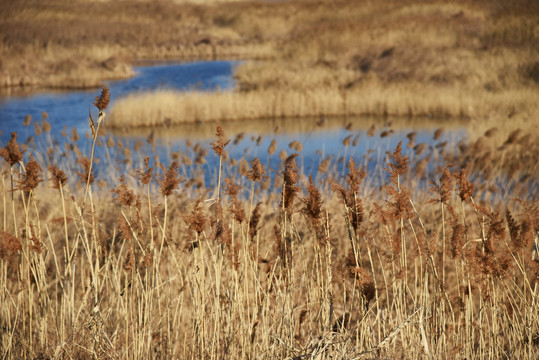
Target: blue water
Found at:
71, 108
67, 110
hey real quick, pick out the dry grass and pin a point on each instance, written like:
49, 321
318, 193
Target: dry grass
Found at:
157, 265
152, 109
404, 59
325, 58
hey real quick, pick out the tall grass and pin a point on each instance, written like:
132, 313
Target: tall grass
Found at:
152, 109
336, 265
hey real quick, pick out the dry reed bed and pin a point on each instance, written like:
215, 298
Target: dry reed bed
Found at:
403, 59
165, 106
307, 269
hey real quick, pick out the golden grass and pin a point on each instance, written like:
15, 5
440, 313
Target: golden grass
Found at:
152, 267
139, 110
392, 59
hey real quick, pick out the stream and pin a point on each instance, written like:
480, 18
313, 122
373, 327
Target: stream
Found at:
335, 140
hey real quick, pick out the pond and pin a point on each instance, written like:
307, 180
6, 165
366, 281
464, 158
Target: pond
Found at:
316, 140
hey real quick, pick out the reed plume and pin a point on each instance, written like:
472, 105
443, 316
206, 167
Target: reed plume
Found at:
290, 177
170, 180
312, 209
59, 177
31, 177
254, 220
12, 153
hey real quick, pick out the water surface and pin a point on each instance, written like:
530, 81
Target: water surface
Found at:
335, 140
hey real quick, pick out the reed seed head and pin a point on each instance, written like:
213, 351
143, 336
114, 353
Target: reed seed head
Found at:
59, 178
257, 172
125, 196
466, 188
144, 175
253, 222
170, 180
273, 147
398, 164
196, 220
85, 174
9, 244
102, 101
32, 176
12, 152
219, 144
290, 178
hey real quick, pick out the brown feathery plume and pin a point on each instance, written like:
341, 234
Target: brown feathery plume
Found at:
466, 187
12, 153
495, 233
278, 246
125, 196
353, 204
147, 260
253, 222
74, 134
243, 168
438, 133
27, 120
239, 137
85, 163
323, 167
365, 281
273, 147
37, 129
45, 125
296, 145
221, 232
232, 190
443, 189
457, 240
355, 176
312, 210
59, 177
419, 148
513, 231
196, 220
36, 245
32, 176
144, 175
283, 155
371, 131
398, 164
219, 144
129, 263
399, 205
522, 236
257, 172
366, 284
170, 180
102, 101
290, 178
9, 244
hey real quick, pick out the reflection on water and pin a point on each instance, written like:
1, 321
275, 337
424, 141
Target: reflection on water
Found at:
317, 140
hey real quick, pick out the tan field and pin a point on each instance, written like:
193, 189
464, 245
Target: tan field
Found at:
432, 254
398, 58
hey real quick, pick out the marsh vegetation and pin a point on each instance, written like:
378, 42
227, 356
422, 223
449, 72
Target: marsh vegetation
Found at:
434, 257
410, 249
